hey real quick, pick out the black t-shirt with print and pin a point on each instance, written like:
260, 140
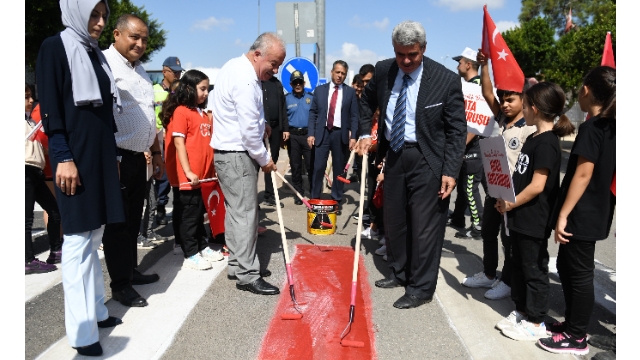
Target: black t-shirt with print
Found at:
538, 152
591, 218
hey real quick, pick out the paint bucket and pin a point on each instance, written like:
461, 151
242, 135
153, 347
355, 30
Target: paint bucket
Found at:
322, 214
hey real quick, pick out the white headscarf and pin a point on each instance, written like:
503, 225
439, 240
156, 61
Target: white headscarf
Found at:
77, 42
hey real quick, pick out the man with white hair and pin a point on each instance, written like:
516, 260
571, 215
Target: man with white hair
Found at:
421, 132
238, 142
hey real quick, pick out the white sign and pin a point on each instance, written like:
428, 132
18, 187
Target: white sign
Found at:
496, 168
480, 120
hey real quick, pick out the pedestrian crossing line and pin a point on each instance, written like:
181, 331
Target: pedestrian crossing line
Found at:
146, 333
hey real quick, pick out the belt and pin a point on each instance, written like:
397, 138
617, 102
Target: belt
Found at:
298, 131
334, 128
130, 152
410, 144
229, 151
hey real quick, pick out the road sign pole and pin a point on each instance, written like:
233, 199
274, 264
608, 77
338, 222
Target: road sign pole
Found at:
320, 36
296, 24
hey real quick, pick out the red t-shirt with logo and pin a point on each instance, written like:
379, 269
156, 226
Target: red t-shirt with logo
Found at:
195, 127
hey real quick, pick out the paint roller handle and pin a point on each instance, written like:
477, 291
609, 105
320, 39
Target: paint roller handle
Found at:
346, 167
306, 203
202, 181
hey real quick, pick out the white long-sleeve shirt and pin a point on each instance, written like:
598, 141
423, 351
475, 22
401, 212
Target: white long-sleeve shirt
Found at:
238, 113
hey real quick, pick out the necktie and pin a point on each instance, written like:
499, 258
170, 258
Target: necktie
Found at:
399, 117
332, 108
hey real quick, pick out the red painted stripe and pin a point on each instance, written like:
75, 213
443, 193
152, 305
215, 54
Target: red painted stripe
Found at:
323, 289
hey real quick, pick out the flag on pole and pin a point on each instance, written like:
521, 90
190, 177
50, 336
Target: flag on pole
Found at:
569, 24
608, 60
506, 71
214, 203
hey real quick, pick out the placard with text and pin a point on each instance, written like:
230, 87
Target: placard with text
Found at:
480, 120
496, 168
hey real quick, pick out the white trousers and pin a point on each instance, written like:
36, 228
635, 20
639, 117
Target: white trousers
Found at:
83, 285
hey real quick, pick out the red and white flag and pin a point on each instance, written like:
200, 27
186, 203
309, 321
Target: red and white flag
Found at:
214, 203
569, 24
506, 71
608, 60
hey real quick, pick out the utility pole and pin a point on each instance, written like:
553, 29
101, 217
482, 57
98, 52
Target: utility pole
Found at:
296, 27
320, 10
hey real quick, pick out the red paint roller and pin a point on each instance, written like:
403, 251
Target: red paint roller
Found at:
343, 176
285, 248
304, 201
356, 256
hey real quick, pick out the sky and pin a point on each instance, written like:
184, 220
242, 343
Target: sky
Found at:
205, 34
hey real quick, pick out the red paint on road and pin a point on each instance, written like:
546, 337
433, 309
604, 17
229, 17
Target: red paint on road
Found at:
323, 287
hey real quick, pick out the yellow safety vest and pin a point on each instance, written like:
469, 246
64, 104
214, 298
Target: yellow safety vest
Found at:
159, 96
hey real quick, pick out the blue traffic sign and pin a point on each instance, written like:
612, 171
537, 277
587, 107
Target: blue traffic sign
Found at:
306, 67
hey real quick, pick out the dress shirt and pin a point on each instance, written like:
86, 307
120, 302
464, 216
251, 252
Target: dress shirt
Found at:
238, 112
337, 115
137, 122
412, 98
298, 109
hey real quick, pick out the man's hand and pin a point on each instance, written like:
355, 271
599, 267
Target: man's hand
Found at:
147, 156
267, 131
269, 167
352, 144
285, 136
311, 140
363, 145
448, 183
67, 177
158, 166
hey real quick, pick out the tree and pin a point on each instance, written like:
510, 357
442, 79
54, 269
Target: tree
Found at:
43, 19
531, 44
555, 11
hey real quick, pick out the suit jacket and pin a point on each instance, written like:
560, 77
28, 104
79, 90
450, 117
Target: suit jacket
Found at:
320, 108
273, 87
441, 126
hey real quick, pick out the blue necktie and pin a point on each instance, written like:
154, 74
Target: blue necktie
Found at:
399, 117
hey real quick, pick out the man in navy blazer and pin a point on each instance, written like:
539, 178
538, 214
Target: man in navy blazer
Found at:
422, 133
333, 127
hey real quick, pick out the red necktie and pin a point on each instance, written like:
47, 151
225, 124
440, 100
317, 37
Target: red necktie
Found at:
332, 108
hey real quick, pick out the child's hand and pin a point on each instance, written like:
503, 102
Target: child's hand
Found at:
560, 233
193, 178
380, 177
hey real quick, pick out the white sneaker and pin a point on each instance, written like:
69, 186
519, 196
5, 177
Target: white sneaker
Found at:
526, 331
498, 291
211, 255
370, 234
383, 240
479, 280
511, 320
196, 262
382, 250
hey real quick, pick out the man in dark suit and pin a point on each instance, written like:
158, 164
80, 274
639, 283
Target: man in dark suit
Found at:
275, 114
422, 132
333, 127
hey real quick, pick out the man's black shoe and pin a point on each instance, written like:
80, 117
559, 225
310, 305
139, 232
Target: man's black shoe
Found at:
259, 287
264, 273
408, 301
129, 297
271, 202
161, 215
111, 321
354, 178
297, 201
471, 233
141, 279
388, 283
455, 223
92, 350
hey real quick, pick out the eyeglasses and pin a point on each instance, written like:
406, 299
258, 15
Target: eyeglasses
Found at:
296, 83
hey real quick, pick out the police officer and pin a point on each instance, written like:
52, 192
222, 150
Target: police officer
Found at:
298, 106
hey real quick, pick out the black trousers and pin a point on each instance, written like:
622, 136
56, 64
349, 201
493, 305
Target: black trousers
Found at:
37, 191
530, 276
575, 267
192, 232
176, 215
492, 225
274, 143
331, 143
120, 239
415, 219
300, 151
469, 179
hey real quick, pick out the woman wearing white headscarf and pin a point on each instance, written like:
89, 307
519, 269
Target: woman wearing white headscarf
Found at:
77, 98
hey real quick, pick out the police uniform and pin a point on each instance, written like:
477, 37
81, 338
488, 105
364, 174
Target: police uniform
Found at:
298, 107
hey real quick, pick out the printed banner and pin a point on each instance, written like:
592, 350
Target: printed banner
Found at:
480, 120
496, 168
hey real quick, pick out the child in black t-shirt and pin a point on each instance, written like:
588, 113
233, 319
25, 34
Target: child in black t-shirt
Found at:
536, 181
584, 210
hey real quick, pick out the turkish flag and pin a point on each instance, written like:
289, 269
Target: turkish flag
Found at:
506, 71
569, 24
607, 54
214, 203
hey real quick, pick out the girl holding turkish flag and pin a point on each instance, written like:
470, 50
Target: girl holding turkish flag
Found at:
584, 211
